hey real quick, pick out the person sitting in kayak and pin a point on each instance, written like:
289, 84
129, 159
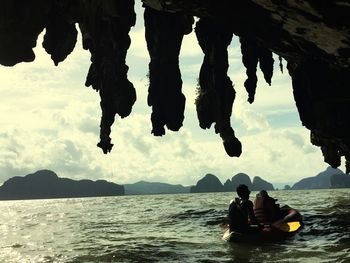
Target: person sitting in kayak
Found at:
266, 210
241, 213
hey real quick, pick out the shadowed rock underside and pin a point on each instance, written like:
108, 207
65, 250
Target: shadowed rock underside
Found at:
312, 36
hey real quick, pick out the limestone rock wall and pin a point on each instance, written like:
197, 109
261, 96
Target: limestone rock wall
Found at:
313, 36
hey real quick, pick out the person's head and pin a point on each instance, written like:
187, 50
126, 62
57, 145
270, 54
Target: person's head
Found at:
263, 193
243, 191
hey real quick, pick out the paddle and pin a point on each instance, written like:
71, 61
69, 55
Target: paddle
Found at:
287, 226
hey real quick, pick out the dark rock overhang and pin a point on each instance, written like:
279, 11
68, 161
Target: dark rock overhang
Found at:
312, 36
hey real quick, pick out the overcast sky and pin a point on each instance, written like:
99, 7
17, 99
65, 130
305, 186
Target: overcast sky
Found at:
50, 120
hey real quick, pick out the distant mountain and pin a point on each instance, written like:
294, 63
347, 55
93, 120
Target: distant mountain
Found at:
260, 184
287, 187
240, 178
340, 181
143, 187
46, 184
320, 181
209, 183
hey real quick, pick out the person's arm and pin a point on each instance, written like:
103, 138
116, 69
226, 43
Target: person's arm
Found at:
251, 215
272, 210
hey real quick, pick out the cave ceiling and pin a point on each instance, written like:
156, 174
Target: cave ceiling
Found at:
312, 36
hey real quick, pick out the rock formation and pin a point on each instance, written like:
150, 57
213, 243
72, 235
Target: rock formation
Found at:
312, 36
340, 181
287, 187
252, 53
216, 93
209, 183
260, 184
164, 34
240, 178
46, 184
320, 181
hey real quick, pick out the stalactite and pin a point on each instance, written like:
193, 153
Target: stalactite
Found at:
60, 36
106, 35
216, 93
20, 25
302, 95
252, 53
266, 63
250, 61
280, 63
320, 108
331, 156
164, 34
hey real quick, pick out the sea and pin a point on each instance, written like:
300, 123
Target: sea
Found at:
167, 228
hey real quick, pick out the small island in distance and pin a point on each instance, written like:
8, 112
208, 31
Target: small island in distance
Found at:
45, 184
210, 183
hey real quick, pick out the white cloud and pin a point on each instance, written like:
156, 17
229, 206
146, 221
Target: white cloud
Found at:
190, 46
271, 154
251, 119
138, 47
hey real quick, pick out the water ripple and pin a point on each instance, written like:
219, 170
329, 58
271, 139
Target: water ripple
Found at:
166, 228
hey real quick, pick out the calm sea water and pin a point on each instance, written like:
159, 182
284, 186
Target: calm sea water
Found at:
166, 228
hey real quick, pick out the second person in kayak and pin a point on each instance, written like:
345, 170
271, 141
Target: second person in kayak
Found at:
266, 210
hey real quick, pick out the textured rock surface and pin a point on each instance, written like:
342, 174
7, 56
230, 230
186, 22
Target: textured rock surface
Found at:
313, 36
216, 93
164, 34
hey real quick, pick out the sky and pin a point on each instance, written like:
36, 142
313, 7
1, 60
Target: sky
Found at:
50, 120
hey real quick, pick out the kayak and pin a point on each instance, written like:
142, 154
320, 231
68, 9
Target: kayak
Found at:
266, 234
287, 227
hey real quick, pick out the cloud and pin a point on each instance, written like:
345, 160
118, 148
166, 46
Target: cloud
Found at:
190, 46
295, 138
271, 155
252, 120
300, 141
138, 47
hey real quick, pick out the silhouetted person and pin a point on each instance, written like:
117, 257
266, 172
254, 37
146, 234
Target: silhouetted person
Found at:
266, 210
241, 213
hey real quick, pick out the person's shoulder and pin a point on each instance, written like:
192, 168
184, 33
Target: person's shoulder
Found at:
233, 206
272, 200
247, 201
